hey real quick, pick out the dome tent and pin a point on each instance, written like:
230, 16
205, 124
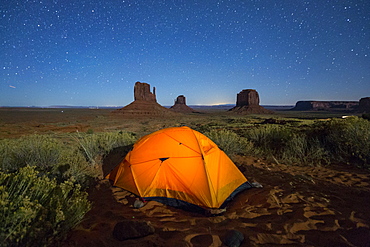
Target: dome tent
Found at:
179, 167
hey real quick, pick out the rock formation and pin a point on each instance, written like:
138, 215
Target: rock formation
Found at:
247, 97
364, 105
142, 92
325, 105
144, 104
180, 105
247, 102
129, 229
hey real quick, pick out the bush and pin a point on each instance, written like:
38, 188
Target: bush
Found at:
270, 139
337, 140
94, 145
230, 142
37, 210
48, 156
40, 185
347, 140
304, 150
73, 165
366, 116
41, 151
287, 145
6, 155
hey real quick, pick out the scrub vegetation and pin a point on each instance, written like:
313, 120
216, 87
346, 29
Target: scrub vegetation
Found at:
43, 182
230, 142
317, 143
44, 177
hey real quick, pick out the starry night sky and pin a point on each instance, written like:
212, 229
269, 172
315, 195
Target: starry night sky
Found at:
91, 53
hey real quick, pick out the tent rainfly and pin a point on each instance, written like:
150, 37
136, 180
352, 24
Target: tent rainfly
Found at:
179, 167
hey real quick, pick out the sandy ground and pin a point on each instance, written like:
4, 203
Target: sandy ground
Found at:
298, 206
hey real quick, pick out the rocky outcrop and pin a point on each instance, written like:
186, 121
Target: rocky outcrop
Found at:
180, 105
325, 105
364, 105
247, 97
142, 92
144, 104
247, 102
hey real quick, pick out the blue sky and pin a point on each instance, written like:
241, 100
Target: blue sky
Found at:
61, 52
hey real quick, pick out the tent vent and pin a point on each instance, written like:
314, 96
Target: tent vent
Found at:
163, 159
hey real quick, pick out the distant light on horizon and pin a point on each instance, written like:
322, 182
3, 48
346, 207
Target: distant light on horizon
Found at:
222, 103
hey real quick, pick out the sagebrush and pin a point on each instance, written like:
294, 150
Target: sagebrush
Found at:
36, 210
231, 143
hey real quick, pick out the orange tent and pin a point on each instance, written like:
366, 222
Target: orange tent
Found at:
176, 166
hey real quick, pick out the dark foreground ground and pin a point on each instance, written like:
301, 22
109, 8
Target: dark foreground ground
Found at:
298, 206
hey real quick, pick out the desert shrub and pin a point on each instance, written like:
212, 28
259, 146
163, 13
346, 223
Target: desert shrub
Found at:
40, 151
230, 142
207, 126
347, 140
89, 146
36, 210
303, 150
111, 140
366, 116
73, 165
90, 131
337, 140
269, 140
5, 155
286, 145
49, 156
94, 145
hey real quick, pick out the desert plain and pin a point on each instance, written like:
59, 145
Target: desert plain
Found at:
298, 205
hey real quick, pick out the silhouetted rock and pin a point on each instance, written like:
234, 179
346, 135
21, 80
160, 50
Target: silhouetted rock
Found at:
364, 105
132, 229
233, 238
144, 104
180, 105
325, 105
247, 102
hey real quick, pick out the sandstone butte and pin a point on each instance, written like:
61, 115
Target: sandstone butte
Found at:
144, 104
180, 105
364, 105
361, 106
247, 102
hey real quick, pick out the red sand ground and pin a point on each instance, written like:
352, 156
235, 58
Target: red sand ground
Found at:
298, 206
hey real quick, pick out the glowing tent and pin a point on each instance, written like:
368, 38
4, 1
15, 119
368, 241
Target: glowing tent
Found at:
179, 167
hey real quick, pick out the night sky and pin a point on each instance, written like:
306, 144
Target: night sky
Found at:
91, 53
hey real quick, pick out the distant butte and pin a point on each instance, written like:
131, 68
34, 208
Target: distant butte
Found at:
180, 105
247, 102
364, 105
144, 104
314, 105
